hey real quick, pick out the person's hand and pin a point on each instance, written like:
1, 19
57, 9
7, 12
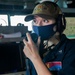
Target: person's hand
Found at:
31, 49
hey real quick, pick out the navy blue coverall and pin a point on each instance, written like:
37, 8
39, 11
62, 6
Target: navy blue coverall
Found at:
60, 61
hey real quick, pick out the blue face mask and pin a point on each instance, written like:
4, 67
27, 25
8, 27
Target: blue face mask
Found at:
45, 32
